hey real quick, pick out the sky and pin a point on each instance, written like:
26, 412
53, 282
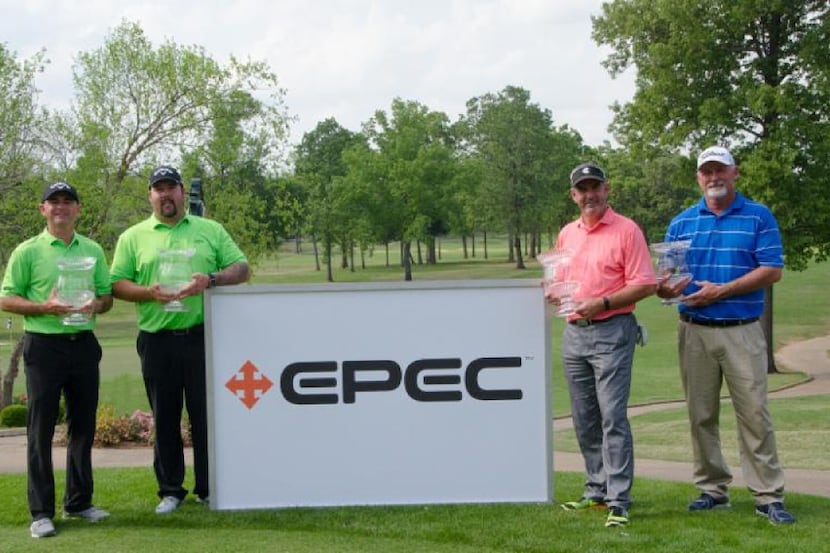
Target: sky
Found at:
348, 58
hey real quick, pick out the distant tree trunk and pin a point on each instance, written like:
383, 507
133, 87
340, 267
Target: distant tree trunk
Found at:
327, 252
7, 384
511, 254
351, 256
407, 260
316, 252
766, 324
430, 244
485, 244
517, 246
386, 248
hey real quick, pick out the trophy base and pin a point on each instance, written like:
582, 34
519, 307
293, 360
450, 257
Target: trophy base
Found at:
75, 319
175, 306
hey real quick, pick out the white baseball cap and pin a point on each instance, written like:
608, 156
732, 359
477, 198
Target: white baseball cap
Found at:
715, 153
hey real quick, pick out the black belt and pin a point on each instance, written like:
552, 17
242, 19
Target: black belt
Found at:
73, 337
716, 322
195, 329
591, 322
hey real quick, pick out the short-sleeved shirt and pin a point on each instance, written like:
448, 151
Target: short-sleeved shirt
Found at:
136, 259
725, 247
607, 257
32, 273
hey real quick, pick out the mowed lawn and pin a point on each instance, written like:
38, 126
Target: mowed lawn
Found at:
660, 521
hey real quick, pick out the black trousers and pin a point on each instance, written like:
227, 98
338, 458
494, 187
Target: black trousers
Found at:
173, 367
55, 365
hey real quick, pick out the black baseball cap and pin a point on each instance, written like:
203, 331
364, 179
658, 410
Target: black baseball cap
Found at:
587, 171
57, 188
165, 173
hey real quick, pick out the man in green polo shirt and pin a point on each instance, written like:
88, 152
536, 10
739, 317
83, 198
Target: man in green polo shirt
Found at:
58, 358
171, 344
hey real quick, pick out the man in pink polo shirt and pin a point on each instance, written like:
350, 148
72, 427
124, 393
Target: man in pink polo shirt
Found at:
612, 263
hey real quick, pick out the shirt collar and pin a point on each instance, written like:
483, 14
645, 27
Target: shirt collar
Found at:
606, 219
736, 205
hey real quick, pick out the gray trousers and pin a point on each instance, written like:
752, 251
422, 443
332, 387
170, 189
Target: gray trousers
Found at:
597, 362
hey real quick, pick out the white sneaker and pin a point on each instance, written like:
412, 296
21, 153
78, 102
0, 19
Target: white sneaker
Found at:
42, 528
93, 514
169, 503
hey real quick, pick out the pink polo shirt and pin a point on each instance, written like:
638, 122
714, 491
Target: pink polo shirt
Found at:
607, 257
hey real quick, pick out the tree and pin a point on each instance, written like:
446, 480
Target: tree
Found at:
752, 75
319, 160
136, 105
19, 122
513, 139
414, 167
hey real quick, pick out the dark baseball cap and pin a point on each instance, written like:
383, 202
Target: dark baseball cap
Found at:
57, 188
587, 171
165, 173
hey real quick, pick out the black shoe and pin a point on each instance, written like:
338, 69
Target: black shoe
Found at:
707, 502
775, 512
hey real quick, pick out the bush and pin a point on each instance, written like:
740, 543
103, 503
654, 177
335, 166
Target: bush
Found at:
13, 416
111, 430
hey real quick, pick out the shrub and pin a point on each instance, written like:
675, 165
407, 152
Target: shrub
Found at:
13, 416
112, 430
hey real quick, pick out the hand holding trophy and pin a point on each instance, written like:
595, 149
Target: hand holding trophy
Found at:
75, 287
556, 265
174, 273
670, 261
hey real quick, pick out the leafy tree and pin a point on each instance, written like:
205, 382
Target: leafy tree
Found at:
415, 167
752, 75
20, 120
513, 139
319, 161
136, 105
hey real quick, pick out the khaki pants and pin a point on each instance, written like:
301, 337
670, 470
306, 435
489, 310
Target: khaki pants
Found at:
738, 355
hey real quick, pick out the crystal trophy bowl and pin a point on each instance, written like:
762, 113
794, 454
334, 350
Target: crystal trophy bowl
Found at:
75, 287
670, 263
174, 273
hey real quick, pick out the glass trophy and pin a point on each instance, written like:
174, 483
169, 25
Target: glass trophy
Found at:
670, 261
174, 273
556, 266
75, 287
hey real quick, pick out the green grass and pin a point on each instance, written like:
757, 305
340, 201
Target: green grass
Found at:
660, 524
660, 521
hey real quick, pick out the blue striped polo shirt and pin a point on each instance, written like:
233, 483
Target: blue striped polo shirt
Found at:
725, 247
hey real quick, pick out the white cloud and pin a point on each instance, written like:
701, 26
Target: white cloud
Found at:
348, 58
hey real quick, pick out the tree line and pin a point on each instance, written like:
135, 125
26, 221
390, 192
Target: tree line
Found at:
752, 76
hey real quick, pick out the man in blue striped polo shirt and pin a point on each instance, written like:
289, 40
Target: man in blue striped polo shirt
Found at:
735, 254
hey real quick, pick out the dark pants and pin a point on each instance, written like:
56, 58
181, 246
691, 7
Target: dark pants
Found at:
55, 365
173, 366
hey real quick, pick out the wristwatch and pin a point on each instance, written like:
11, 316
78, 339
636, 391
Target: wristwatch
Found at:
211, 280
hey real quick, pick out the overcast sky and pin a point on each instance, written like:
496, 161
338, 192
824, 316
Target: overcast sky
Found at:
347, 58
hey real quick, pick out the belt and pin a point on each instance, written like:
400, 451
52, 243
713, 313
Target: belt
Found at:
195, 329
591, 322
716, 322
73, 337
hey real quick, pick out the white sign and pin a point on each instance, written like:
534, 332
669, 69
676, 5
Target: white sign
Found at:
381, 393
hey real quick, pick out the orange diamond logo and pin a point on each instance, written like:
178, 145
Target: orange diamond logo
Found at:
248, 384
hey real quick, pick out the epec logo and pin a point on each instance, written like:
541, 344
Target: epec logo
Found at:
376, 376
248, 384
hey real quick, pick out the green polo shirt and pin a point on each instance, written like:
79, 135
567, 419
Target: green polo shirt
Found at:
32, 273
136, 258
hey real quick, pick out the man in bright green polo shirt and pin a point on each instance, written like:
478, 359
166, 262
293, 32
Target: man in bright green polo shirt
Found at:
171, 344
58, 358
